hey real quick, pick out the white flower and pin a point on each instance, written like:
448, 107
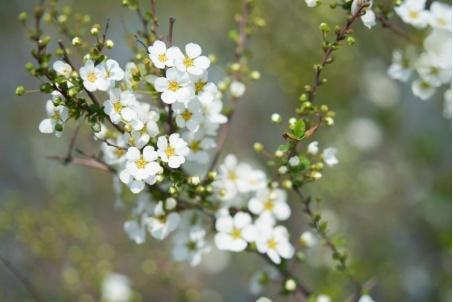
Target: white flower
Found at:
400, 69
115, 155
274, 243
131, 74
270, 202
329, 156
193, 62
212, 112
237, 177
234, 232
161, 224
188, 115
199, 146
368, 19
145, 128
116, 288
111, 71
440, 16
311, 3
422, 89
264, 299
172, 151
119, 106
237, 89
262, 278
364, 133
190, 246
141, 168
438, 45
413, 12
307, 239
160, 55
175, 87
57, 116
62, 68
366, 298
430, 72
93, 77
294, 161
323, 298
313, 148
447, 104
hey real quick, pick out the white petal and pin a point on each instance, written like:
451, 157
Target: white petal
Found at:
193, 50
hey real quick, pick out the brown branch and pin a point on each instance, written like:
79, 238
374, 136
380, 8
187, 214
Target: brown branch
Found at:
86, 162
239, 55
171, 24
25, 282
72, 144
155, 22
385, 22
328, 52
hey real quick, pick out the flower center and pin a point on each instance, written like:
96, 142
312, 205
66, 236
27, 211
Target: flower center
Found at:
272, 244
269, 204
191, 245
92, 77
195, 146
413, 14
199, 86
186, 115
232, 175
188, 62
118, 106
173, 86
170, 151
162, 58
442, 21
141, 163
236, 233
119, 152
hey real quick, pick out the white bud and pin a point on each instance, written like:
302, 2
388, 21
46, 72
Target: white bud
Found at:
276, 118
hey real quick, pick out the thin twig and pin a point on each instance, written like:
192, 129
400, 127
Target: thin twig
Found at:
340, 36
25, 282
395, 29
155, 22
171, 24
239, 55
72, 144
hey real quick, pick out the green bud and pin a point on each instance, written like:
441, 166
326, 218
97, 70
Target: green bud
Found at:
59, 127
258, 147
350, 40
23, 16
20, 90
29, 66
324, 27
303, 97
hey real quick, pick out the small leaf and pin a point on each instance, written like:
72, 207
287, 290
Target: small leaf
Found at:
299, 129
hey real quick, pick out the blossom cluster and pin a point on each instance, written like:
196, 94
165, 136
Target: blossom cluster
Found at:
429, 70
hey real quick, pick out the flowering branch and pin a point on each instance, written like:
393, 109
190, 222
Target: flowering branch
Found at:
386, 23
25, 282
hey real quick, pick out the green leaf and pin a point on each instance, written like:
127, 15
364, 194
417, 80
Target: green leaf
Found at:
299, 129
283, 148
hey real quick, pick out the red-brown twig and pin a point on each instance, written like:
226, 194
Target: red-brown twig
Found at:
386, 23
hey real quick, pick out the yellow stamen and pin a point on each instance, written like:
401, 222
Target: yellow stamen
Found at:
188, 62
119, 152
186, 115
413, 14
162, 58
91, 77
195, 146
236, 233
173, 86
199, 86
170, 151
272, 244
232, 175
269, 204
141, 163
117, 106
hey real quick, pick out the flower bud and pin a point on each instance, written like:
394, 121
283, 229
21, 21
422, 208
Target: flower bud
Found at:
95, 29
350, 40
290, 285
23, 16
276, 118
212, 175
235, 67
255, 75
109, 44
287, 184
329, 121
258, 147
20, 90
76, 41
324, 27
279, 153
194, 180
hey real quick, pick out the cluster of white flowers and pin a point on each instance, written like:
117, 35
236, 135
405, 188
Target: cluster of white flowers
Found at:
146, 147
432, 67
243, 186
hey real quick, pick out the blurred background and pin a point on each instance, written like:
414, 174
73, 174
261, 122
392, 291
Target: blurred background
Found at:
389, 198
